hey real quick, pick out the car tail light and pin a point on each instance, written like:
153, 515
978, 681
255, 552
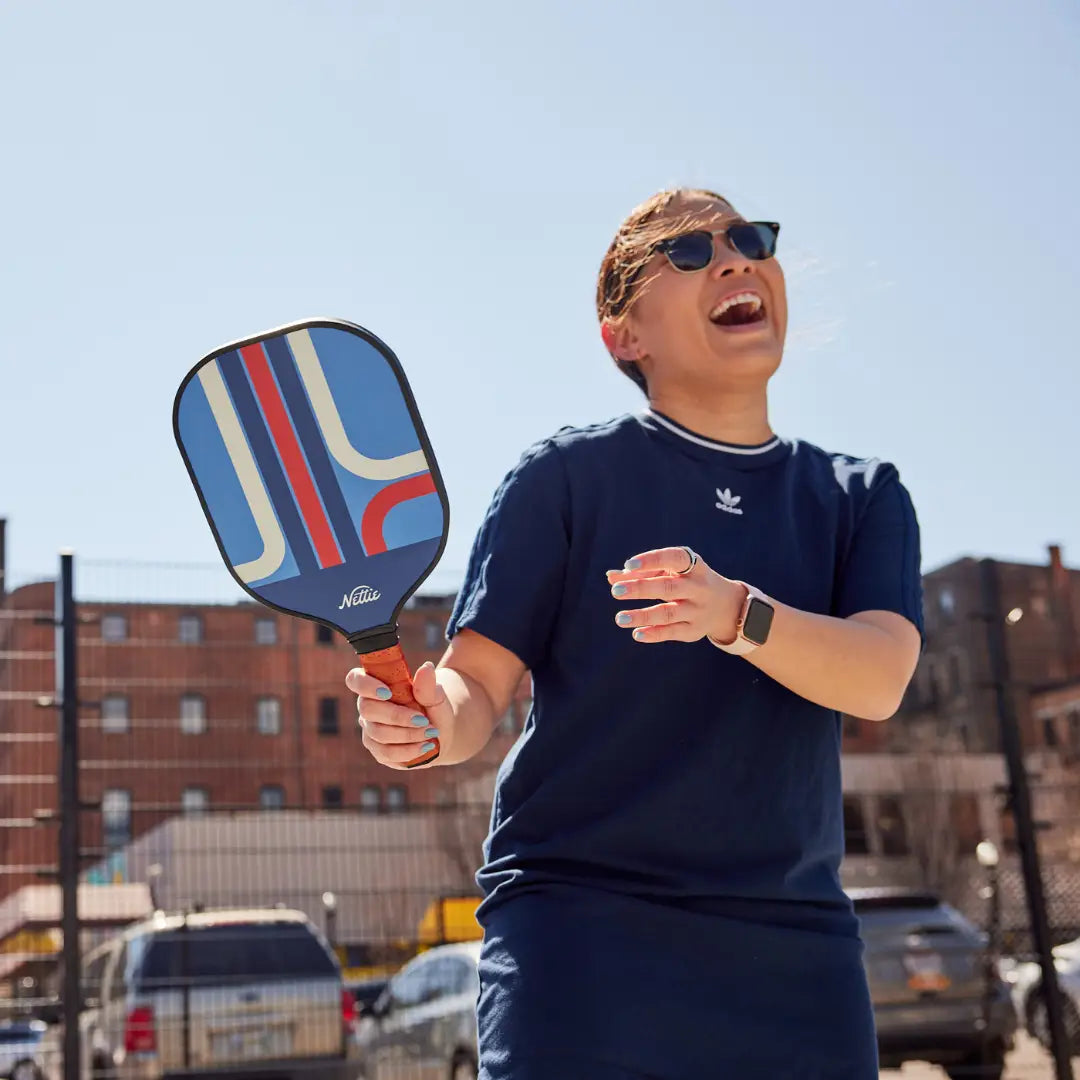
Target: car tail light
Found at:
348, 1009
140, 1036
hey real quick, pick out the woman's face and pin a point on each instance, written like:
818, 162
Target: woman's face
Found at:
678, 327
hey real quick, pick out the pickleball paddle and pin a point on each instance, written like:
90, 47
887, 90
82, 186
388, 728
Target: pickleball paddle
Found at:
317, 477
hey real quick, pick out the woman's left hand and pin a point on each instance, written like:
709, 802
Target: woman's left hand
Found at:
695, 604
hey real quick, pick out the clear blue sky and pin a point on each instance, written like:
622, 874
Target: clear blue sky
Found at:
178, 175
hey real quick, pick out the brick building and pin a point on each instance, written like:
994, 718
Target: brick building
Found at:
951, 703
1056, 717
194, 708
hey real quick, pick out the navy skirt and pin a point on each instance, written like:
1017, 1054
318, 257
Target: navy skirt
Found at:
581, 984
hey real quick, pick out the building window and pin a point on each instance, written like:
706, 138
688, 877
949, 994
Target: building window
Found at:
268, 716
433, 634
324, 635
266, 631
963, 734
114, 627
936, 683
956, 672
271, 797
328, 716
116, 817
397, 798
190, 628
964, 822
1007, 827
947, 602
891, 827
194, 801
114, 714
926, 677
370, 798
193, 714
331, 797
1073, 721
1050, 734
855, 842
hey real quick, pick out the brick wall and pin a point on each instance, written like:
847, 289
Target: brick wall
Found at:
154, 760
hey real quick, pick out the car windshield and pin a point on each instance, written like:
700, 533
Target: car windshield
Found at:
894, 901
19, 1033
236, 952
911, 914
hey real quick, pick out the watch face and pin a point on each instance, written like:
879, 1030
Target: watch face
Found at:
759, 617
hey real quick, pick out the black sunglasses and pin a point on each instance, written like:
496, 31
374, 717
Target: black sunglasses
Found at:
692, 251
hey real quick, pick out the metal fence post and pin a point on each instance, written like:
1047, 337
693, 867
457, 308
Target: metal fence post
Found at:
1020, 797
67, 691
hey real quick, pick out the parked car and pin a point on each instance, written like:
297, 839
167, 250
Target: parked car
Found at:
423, 1025
22, 1050
1027, 993
366, 992
215, 994
936, 998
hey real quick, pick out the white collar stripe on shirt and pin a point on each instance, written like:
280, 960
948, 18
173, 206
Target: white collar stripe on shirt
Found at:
710, 443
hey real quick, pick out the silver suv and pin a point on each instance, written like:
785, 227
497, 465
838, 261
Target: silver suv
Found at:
937, 994
217, 994
424, 1022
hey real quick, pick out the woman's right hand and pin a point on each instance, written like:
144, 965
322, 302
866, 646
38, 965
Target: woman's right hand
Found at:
396, 734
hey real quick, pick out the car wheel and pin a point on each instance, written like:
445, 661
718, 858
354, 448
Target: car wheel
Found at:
100, 1069
26, 1070
463, 1069
987, 1064
1040, 1023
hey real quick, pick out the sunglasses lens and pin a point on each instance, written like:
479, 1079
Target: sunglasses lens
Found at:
691, 251
753, 239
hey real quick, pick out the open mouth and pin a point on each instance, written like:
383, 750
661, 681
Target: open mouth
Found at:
740, 309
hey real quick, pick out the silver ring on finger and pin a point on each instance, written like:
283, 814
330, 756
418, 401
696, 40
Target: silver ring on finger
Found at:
693, 560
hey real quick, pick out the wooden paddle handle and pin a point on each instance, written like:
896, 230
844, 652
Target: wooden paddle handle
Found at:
389, 666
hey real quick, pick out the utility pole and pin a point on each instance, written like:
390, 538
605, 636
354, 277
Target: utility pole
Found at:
68, 693
1020, 797
3, 559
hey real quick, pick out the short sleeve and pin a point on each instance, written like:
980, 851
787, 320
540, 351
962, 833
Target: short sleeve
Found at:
514, 581
883, 567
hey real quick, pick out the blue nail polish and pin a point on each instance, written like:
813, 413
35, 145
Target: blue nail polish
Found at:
618, 590
633, 564
420, 721
427, 747
431, 733
639, 634
625, 619
383, 693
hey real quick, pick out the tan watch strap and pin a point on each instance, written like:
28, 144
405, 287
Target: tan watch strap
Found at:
742, 646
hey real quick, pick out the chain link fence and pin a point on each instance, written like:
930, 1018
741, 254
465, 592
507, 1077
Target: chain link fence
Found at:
223, 782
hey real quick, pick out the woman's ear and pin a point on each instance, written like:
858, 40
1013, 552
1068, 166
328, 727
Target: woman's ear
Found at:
620, 340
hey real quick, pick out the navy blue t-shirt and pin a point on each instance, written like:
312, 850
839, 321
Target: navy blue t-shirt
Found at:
671, 792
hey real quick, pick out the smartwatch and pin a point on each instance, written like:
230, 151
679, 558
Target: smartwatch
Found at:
753, 624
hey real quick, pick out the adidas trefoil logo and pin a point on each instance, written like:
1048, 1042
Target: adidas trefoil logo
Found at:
728, 503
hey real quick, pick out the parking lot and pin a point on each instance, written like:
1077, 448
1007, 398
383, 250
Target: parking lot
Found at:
1027, 1062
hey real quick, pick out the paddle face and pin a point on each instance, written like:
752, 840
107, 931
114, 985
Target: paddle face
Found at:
316, 475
